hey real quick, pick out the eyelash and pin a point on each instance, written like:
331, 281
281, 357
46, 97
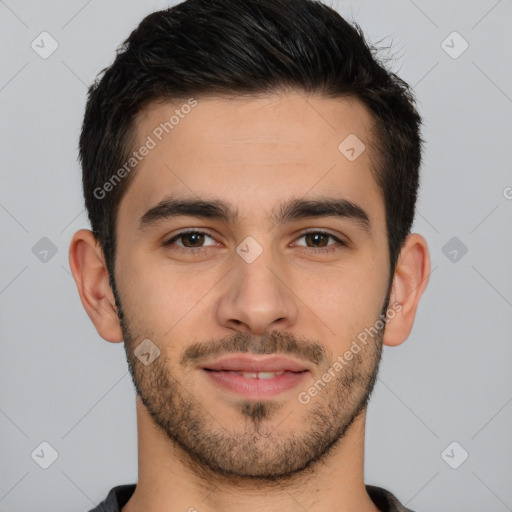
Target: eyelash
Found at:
200, 250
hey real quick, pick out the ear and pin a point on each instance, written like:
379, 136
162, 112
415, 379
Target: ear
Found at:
409, 282
90, 272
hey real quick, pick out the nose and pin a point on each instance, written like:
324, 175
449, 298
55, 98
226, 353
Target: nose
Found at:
257, 297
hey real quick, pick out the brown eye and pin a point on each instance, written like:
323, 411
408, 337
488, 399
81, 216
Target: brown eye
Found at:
317, 238
190, 240
320, 240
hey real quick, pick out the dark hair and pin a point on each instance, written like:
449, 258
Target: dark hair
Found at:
249, 47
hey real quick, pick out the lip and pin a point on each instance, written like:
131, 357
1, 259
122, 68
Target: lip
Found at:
255, 363
255, 388
222, 374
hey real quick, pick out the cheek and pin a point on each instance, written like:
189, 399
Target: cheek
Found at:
160, 294
349, 298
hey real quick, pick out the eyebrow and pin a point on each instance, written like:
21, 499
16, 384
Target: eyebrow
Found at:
292, 210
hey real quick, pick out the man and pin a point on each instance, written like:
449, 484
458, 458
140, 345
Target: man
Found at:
250, 172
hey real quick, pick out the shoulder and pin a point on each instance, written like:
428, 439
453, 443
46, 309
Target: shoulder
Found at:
116, 499
385, 500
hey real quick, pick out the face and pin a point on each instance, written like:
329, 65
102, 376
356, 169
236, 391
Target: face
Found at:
247, 231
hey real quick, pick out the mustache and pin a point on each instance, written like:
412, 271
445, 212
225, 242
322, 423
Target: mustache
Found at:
274, 342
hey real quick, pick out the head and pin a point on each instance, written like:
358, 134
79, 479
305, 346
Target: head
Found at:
249, 108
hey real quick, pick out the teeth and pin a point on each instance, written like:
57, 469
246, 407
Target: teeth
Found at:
259, 375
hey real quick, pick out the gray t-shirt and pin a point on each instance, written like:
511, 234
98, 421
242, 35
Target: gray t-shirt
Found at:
119, 496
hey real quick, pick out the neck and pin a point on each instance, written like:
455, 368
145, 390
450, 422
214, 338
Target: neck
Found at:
170, 480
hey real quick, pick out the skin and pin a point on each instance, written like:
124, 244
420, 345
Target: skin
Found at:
228, 452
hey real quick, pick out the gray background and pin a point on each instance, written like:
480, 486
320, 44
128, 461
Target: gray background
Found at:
450, 381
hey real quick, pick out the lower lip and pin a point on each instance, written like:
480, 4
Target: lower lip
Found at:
256, 388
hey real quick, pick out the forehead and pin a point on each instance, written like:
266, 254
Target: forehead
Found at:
242, 125
257, 152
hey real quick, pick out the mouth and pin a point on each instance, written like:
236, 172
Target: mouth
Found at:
255, 376
255, 385
256, 363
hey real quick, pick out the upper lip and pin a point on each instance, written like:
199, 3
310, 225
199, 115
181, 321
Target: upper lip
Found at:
255, 363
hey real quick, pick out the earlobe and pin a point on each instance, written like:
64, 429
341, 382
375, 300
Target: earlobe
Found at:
89, 270
409, 282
